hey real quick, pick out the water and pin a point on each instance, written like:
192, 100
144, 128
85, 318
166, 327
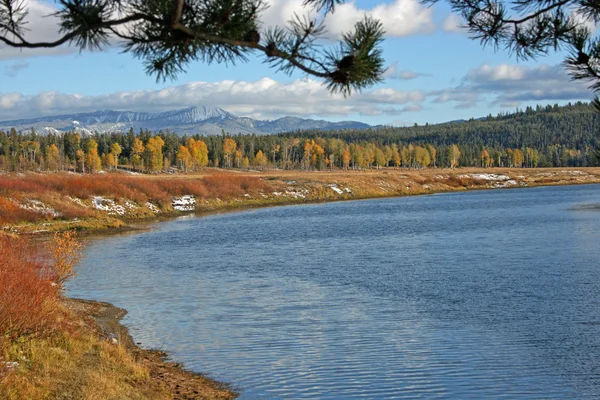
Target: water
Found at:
469, 295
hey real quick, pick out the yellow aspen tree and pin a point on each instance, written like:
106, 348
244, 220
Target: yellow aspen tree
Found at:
432, 154
154, 154
184, 159
229, 147
260, 160
115, 152
52, 157
485, 158
396, 159
93, 160
237, 158
422, 156
80, 161
346, 158
137, 150
454, 156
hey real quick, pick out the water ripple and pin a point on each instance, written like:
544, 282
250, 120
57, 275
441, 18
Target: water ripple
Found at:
472, 295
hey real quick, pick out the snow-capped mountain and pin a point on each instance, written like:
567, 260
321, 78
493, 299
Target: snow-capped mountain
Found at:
206, 120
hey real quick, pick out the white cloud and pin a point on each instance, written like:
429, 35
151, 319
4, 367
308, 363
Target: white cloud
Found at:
502, 72
507, 85
264, 98
400, 18
453, 24
41, 26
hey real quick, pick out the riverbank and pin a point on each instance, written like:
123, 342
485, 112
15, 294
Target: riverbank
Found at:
178, 382
45, 203
52, 347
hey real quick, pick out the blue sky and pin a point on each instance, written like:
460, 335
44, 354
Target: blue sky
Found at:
436, 73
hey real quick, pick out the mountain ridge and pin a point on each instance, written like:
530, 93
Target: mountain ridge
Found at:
203, 120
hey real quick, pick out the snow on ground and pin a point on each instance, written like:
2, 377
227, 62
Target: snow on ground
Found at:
296, 193
508, 183
184, 203
152, 208
108, 205
336, 189
487, 177
39, 207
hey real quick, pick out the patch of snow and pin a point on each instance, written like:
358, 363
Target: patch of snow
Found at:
296, 193
508, 183
487, 177
184, 203
336, 189
39, 207
277, 194
152, 208
348, 190
108, 205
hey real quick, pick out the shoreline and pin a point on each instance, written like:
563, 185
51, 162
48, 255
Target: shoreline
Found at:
279, 188
182, 384
104, 318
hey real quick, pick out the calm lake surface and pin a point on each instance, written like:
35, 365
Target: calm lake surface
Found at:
466, 295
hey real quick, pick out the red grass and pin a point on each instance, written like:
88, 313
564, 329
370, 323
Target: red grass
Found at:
27, 297
52, 189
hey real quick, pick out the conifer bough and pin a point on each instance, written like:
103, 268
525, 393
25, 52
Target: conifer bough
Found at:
532, 28
167, 35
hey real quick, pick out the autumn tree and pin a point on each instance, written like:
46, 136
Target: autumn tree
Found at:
453, 156
422, 156
229, 147
137, 151
184, 159
115, 152
80, 161
52, 157
485, 158
260, 159
517, 158
432, 154
154, 154
66, 253
346, 158
93, 162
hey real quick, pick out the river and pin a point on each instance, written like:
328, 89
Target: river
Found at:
485, 294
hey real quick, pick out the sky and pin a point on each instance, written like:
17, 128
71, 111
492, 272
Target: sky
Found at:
435, 73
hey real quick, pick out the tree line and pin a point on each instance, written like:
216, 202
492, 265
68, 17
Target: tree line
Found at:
549, 136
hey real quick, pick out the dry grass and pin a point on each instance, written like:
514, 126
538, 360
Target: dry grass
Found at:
57, 192
50, 351
68, 195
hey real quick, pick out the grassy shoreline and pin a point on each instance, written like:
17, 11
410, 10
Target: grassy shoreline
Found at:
50, 203
45, 203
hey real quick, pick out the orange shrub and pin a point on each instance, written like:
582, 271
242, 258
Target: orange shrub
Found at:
28, 298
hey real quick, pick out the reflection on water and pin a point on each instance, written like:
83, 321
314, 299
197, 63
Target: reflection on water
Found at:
471, 295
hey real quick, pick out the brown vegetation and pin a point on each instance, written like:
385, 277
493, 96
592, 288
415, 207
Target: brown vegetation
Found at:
63, 201
50, 349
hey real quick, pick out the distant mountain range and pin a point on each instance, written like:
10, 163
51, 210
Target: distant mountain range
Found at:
204, 120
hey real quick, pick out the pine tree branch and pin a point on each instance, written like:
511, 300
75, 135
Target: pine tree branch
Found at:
23, 43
